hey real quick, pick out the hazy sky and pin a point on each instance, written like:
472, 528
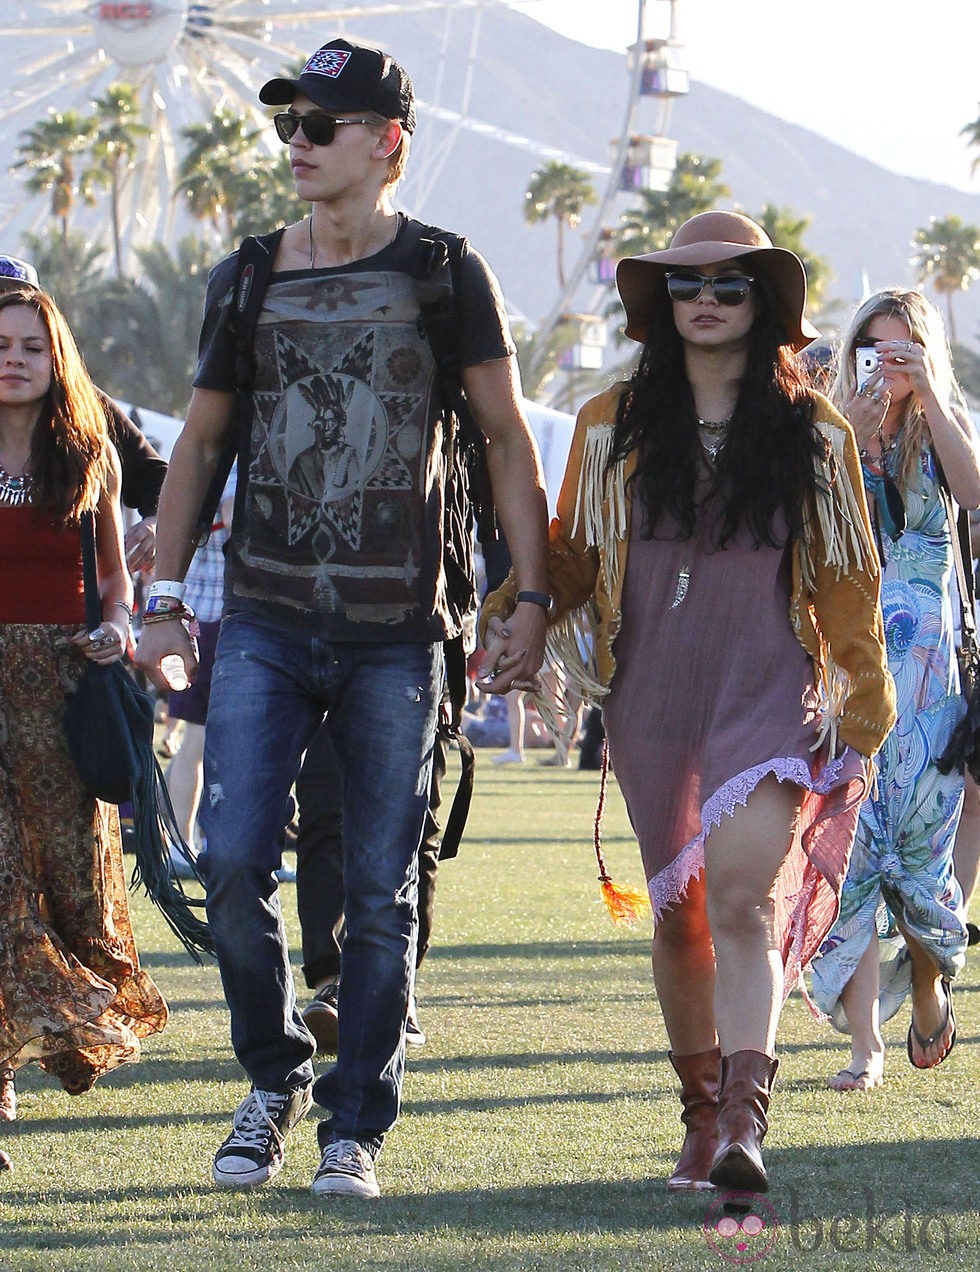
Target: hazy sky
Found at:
894, 82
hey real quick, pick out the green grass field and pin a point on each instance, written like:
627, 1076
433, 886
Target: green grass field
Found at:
539, 1122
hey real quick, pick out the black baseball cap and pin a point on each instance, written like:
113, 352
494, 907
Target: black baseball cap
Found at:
343, 77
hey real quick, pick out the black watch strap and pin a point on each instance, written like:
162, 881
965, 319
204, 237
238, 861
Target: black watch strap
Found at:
535, 598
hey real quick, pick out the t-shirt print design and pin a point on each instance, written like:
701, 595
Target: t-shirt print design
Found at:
339, 459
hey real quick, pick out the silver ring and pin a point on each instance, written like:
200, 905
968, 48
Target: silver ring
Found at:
910, 345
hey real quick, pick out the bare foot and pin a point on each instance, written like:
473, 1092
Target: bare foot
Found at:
863, 1074
927, 1049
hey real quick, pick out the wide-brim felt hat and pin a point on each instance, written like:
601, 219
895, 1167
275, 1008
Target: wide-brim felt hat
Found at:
706, 239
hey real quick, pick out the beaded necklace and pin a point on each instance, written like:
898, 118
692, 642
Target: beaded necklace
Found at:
15, 491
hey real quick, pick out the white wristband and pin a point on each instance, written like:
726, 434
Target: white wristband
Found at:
167, 587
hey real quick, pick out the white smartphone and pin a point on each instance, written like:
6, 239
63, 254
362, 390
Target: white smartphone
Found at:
866, 365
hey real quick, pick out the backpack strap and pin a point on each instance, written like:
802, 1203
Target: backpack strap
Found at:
438, 268
254, 269
449, 727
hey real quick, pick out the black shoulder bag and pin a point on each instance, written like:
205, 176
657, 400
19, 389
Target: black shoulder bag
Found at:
108, 725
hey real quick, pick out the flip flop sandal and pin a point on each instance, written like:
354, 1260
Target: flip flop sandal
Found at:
857, 1077
926, 1043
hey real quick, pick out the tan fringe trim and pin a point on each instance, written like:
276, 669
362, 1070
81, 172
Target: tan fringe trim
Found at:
596, 488
563, 652
835, 687
588, 504
839, 517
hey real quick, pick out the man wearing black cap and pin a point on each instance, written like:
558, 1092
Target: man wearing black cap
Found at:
337, 594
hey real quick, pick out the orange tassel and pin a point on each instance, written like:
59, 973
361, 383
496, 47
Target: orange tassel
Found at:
626, 905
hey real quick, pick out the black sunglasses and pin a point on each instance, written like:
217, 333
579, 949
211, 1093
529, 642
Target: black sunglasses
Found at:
318, 129
727, 289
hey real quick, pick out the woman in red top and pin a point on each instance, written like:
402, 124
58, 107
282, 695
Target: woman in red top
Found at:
72, 994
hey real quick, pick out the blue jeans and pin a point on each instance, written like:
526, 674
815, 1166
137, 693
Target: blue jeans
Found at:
270, 689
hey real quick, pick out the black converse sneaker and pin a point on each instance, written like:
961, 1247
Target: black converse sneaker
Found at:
320, 1017
254, 1150
346, 1168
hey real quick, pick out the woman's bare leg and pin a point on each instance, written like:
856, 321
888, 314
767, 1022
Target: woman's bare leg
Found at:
743, 856
930, 1011
859, 999
684, 973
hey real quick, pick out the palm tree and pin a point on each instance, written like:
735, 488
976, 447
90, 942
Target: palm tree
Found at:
113, 151
214, 172
48, 152
561, 191
786, 229
266, 197
70, 268
695, 186
948, 254
161, 313
972, 134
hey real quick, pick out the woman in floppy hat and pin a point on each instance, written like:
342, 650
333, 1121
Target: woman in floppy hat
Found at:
909, 417
713, 539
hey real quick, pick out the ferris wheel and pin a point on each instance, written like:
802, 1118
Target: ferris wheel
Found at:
185, 58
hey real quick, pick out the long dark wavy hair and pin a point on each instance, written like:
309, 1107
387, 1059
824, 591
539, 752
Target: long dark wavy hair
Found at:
70, 457
766, 466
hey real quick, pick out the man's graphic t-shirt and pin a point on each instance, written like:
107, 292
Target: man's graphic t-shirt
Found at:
342, 519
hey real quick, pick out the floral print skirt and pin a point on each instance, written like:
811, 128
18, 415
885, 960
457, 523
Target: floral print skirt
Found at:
73, 997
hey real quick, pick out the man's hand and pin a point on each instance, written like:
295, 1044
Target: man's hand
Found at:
156, 642
514, 651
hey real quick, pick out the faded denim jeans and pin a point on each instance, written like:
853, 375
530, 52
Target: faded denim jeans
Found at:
270, 690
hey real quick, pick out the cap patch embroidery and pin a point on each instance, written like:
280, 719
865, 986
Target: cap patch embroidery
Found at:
328, 62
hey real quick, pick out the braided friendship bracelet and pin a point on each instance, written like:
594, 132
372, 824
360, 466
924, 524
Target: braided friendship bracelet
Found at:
161, 614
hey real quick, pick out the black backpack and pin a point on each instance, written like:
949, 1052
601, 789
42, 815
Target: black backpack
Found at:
436, 268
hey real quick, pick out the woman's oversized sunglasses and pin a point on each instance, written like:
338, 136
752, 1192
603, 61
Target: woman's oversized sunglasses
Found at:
318, 129
727, 289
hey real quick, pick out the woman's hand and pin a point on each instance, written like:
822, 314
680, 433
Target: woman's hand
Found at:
908, 358
866, 410
141, 545
505, 668
106, 644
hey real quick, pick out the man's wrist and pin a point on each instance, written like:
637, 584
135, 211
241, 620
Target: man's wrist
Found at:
167, 587
541, 599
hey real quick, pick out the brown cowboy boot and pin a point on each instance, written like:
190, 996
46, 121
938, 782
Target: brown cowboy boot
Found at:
700, 1076
746, 1082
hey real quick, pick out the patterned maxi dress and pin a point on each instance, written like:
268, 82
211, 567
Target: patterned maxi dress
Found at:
902, 862
709, 697
73, 996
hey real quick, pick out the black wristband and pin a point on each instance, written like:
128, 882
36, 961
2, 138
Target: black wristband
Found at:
535, 598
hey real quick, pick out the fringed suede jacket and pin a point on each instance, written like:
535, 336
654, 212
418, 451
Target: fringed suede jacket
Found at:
835, 604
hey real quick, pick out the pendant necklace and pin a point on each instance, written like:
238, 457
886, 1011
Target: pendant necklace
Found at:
14, 491
712, 435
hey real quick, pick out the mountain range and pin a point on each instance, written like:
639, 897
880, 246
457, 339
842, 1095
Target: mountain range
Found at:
532, 82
